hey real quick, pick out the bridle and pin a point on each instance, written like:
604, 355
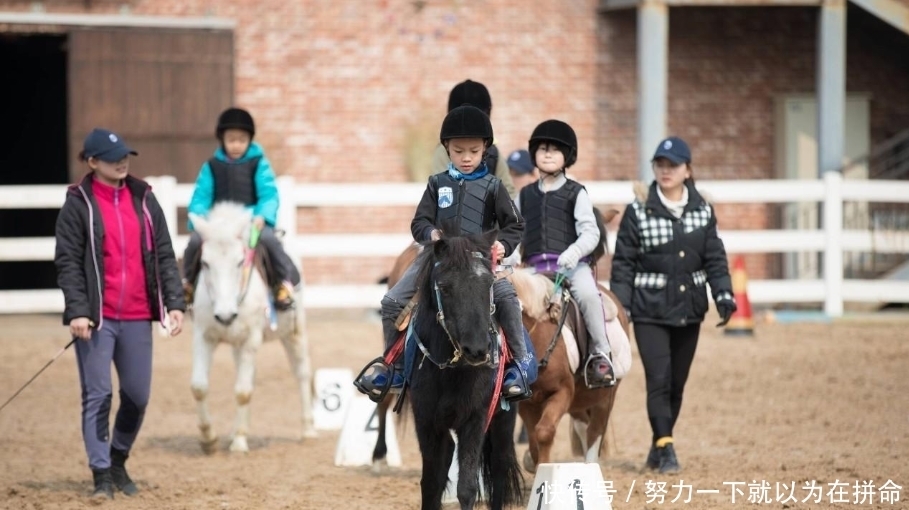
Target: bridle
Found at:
249, 257
440, 318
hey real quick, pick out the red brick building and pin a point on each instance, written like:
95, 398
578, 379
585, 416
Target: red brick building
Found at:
353, 91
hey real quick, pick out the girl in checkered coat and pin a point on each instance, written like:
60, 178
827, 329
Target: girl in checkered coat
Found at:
666, 252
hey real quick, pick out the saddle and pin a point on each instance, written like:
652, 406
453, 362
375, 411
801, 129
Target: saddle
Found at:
571, 317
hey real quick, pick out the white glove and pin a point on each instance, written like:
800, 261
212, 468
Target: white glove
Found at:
569, 258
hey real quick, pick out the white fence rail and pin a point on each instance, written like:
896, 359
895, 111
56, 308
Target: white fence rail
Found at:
831, 240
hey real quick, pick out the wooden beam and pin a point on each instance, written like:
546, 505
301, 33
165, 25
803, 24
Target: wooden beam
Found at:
889, 11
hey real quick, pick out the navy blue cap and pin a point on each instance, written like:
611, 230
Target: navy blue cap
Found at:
520, 162
106, 146
674, 149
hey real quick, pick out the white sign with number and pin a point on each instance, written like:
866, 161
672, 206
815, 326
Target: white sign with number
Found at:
334, 389
360, 433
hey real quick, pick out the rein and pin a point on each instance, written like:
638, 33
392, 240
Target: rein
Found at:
565, 297
456, 356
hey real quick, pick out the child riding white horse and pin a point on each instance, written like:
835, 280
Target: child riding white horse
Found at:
232, 305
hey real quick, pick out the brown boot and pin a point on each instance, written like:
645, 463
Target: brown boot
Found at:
284, 296
188, 291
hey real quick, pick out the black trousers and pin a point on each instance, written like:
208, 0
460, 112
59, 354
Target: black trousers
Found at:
283, 268
667, 353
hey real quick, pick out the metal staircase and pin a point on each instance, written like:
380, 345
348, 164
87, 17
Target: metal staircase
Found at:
888, 160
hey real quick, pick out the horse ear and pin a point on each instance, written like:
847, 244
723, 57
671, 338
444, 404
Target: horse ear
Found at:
244, 228
200, 224
440, 247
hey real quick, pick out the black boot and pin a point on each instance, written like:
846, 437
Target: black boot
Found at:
118, 473
516, 384
669, 463
104, 487
653, 458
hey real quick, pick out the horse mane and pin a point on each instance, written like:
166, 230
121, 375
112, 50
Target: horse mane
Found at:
533, 291
226, 219
455, 250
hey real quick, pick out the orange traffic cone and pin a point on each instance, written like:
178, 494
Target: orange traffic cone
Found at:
742, 322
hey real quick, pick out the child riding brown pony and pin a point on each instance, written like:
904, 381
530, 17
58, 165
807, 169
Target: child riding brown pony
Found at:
559, 388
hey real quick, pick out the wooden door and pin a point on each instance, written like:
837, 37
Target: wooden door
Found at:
160, 89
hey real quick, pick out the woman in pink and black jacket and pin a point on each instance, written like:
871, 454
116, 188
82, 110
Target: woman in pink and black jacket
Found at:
117, 269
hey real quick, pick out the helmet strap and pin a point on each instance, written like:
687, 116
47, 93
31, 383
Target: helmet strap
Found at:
551, 175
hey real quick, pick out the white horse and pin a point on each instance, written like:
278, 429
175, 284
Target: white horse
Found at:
231, 306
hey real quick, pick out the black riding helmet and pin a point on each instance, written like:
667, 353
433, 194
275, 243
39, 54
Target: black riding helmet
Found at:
558, 133
235, 118
472, 93
466, 121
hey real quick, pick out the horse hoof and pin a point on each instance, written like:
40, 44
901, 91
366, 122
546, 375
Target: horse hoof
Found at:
209, 446
378, 466
239, 445
529, 464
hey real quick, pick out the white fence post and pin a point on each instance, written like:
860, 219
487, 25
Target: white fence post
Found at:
833, 254
287, 215
165, 188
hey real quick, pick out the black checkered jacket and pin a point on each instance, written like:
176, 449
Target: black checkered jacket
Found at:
662, 263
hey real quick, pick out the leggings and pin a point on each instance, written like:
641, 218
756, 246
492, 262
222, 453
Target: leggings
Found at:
667, 353
128, 344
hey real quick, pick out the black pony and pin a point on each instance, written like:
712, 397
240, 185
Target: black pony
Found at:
453, 376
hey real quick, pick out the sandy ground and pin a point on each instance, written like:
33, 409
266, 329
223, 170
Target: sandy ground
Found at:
811, 403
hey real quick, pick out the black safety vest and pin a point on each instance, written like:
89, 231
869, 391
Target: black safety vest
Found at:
235, 182
472, 204
549, 217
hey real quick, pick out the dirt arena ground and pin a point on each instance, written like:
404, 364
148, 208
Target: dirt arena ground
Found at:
809, 403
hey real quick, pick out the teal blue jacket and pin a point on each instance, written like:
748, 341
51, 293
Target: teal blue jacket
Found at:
266, 187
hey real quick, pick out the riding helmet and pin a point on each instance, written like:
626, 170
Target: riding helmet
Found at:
472, 93
466, 121
235, 118
559, 133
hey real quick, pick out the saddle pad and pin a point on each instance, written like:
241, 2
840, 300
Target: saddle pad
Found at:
621, 348
571, 346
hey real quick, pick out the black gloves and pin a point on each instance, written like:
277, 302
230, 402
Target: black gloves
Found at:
726, 307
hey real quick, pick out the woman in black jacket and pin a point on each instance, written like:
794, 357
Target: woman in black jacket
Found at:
117, 269
666, 252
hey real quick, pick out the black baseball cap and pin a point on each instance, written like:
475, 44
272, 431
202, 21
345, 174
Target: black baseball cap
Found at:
106, 146
674, 149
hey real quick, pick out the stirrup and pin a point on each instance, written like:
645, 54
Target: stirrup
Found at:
604, 383
518, 382
373, 385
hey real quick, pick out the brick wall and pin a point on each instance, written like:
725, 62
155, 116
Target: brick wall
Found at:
726, 68
343, 92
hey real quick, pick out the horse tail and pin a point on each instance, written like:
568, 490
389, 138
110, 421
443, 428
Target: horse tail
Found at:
500, 467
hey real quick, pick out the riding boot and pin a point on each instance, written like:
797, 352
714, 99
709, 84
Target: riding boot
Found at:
653, 458
669, 463
520, 372
118, 474
378, 377
104, 487
598, 370
188, 292
284, 295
